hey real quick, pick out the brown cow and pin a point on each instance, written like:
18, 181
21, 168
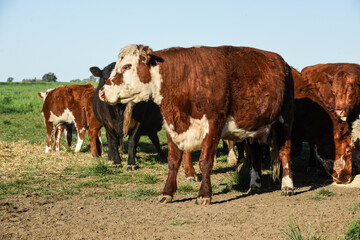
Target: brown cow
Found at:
339, 87
72, 104
206, 93
316, 124
339, 84
67, 128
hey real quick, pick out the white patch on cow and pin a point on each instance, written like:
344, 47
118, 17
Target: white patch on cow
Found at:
287, 182
42, 113
47, 149
231, 158
232, 132
355, 134
286, 167
281, 119
255, 179
191, 139
155, 84
132, 89
57, 143
338, 165
65, 117
78, 145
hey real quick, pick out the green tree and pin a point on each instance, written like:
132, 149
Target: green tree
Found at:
49, 77
10, 79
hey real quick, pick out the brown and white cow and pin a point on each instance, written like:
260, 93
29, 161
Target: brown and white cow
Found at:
339, 86
206, 93
67, 128
315, 123
72, 104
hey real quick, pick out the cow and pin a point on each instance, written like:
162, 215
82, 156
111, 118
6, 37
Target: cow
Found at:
70, 104
208, 93
314, 122
339, 87
141, 119
67, 128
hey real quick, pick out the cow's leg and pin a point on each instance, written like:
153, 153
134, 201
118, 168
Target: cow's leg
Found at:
134, 137
155, 141
81, 136
99, 143
94, 141
254, 151
287, 184
225, 148
189, 168
241, 155
68, 134
206, 161
113, 144
282, 133
231, 158
58, 132
49, 132
174, 161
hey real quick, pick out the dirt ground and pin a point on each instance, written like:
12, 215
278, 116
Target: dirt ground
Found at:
232, 215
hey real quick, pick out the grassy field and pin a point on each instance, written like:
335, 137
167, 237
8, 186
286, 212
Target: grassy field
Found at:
22, 130
25, 170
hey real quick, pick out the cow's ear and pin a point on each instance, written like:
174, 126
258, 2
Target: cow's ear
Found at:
41, 94
329, 78
145, 54
96, 71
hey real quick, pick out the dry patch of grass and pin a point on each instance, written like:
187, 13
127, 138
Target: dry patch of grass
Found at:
26, 169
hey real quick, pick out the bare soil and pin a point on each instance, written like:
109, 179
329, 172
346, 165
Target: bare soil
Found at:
232, 215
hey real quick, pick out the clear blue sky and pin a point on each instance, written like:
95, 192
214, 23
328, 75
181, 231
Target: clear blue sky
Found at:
67, 37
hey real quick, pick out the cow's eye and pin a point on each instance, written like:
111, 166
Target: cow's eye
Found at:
125, 68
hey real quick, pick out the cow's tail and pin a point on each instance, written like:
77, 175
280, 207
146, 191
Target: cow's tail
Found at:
275, 158
128, 120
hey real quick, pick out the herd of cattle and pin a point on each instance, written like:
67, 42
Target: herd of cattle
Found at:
204, 94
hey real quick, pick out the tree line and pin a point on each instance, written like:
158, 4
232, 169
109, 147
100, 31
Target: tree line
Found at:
51, 77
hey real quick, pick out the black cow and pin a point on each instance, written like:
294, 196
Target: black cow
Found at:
141, 119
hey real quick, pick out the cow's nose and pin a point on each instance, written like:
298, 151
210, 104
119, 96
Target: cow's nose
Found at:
102, 95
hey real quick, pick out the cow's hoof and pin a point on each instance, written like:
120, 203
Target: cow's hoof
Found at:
203, 201
117, 165
131, 167
165, 199
286, 191
254, 190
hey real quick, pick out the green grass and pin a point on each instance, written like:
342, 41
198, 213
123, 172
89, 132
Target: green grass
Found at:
182, 222
353, 230
147, 178
102, 168
143, 192
294, 233
20, 111
323, 194
186, 189
355, 208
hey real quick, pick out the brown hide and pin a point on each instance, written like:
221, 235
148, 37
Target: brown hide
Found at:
338, 85
240, 92
316, 124
77, 100
194, 92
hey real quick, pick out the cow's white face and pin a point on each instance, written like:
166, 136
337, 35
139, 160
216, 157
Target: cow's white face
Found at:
132, 78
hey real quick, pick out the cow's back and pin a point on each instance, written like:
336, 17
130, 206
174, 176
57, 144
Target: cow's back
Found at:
260, 85
64, 97
244, 83
316, 72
